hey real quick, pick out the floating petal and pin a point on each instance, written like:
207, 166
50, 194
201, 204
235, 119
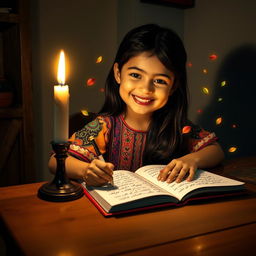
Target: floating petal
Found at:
219, 120
99, 59
199, 111
213, 57
186, 129
220, 99
205, 71
234, 126
84, 112
102, 90
189, 64
91, 81
232, 149
205, 90
223, 83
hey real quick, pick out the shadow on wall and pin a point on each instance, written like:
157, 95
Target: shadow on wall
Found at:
235, 103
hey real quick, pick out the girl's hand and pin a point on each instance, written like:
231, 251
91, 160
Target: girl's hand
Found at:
98, 173
177, 169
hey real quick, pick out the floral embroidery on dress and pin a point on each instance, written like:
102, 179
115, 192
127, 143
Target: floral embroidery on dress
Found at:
81, 146
81, 153
91, 129
124, 146
125, 149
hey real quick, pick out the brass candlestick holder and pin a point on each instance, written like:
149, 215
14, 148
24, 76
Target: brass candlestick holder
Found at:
61, 189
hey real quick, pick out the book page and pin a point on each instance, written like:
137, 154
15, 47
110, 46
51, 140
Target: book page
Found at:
128, 187
202, 179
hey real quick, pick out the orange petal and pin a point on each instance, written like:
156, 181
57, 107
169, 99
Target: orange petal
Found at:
213, 57
219, 120
91, 81
232, 149
99, 59
186, 129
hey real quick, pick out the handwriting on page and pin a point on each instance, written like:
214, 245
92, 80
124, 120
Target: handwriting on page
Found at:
201, 179
128, 188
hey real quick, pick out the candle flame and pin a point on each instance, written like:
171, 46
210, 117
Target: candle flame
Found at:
61, 69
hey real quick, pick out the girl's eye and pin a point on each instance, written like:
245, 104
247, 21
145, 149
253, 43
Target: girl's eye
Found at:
135, 75
160, 82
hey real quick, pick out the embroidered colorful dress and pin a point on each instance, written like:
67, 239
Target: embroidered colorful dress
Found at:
122, 145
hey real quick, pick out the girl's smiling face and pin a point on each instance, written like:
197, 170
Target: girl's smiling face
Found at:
145, 84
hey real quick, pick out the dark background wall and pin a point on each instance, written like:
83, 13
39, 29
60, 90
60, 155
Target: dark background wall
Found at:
225, 28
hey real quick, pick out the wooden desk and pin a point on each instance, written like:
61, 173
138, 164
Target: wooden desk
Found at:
223, 227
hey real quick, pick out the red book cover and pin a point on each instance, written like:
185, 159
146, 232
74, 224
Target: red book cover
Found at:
157, 206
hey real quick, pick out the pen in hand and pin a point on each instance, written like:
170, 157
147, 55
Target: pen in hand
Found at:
99, 155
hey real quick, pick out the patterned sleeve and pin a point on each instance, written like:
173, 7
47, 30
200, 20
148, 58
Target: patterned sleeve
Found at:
198, 137
82, 148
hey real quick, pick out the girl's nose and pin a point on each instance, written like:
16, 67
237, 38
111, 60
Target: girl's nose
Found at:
147, 86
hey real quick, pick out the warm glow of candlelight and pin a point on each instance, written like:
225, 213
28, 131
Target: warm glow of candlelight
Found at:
61, 69
61, 104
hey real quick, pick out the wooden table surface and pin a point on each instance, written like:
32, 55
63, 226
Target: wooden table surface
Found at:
225, 226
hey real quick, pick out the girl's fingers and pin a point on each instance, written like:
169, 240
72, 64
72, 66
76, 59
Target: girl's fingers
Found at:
102, 174
93, 179
191, 174
181, 174
174, 173
99, 170
177, 170
166, 171
106, 167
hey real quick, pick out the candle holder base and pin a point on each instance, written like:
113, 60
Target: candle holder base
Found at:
68, 192
61, 189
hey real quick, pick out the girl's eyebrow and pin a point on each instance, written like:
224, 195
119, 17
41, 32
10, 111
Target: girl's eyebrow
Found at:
143, 71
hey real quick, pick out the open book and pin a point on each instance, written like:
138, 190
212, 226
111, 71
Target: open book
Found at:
133, 191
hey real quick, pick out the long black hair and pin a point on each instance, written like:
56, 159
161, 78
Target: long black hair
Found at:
164, 138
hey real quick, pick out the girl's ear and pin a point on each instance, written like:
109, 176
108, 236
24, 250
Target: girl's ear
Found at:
117, 73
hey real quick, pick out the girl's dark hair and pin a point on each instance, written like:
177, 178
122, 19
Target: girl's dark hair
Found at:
164, 138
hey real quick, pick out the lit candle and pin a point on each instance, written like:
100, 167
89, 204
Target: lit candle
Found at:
61, 104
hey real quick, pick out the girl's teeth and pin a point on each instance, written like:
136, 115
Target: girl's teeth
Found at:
141, 100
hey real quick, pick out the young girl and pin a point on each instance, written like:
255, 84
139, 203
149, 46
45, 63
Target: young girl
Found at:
144, 117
